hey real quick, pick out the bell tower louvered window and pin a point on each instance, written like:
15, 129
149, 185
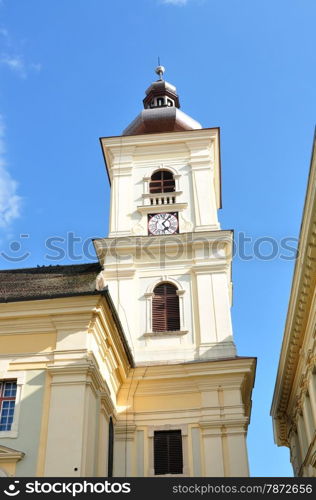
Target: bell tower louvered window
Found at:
162, 182
168, 457
165, 308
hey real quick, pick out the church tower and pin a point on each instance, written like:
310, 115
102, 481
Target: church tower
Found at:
166, 262
167, 266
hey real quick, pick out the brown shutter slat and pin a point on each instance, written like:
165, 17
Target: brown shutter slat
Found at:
173, 320
168, 457
165, 308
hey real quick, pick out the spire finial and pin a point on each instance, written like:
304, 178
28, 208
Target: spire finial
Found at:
160, 69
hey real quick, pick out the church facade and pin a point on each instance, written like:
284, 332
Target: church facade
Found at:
128, 367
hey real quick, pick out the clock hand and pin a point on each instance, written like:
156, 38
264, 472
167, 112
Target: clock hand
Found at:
166, 220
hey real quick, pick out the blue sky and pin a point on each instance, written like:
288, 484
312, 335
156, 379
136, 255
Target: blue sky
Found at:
73, 71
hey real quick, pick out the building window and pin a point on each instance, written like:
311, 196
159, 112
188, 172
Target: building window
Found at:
111, 448
7, 403
168, 457
165, 308
160, 101
162, 182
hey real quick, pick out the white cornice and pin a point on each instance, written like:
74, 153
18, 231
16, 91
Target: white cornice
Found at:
168, 137
170, 207
303, 286
221, 237
58, 306
227, 367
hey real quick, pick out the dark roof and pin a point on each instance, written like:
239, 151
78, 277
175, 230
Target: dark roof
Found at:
163, 119
161, 88
48, 282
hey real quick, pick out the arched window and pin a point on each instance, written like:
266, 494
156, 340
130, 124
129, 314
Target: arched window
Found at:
110, 448
165, 308
162, 181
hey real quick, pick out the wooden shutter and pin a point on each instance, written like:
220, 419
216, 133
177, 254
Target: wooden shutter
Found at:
168, 457
165, 308
162, 182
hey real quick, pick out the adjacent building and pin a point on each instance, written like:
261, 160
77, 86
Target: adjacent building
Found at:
128, 366
294, 402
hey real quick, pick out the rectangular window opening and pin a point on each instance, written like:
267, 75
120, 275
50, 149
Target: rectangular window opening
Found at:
7, 403
168, 456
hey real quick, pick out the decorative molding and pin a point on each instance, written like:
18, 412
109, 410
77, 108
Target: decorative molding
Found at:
171, 207
161, 166
107, 404
124, 431
174, 333
157, 195
167, 427
10, 455
157, 281
227, 423
67, 374
300, 325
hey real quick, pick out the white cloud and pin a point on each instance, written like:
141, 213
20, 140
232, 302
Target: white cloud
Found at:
11, 59
15, 63
175, 2
10, 202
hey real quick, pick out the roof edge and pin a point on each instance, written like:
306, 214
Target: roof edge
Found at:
300, 266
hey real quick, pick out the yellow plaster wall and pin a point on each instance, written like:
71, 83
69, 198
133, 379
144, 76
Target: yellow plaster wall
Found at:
167, 402
8, 467
20, 344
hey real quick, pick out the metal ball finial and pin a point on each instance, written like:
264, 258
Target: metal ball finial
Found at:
160, 71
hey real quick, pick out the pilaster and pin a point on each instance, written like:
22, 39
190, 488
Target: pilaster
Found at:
124, 449
71, 426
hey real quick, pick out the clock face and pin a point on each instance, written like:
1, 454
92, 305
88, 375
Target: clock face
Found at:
166, 223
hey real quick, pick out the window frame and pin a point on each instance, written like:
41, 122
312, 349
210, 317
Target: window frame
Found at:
19, 377
162, 183
9, 399
185, 457
161, 166
166, 299
148, 296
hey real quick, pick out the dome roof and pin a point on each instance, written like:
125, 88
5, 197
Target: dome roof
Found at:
161, 113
